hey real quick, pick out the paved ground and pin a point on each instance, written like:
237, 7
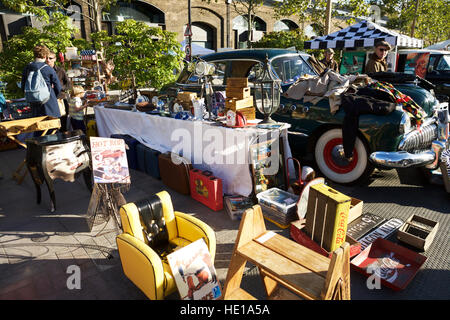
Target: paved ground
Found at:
37, 247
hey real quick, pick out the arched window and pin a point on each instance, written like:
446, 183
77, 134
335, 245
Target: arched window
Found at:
136, 10
241, 30
285, 25
203, 35
74, 11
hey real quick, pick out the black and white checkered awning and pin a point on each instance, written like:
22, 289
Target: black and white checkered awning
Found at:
362, 34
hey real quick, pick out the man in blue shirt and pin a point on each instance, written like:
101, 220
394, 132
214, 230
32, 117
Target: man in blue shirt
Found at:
50, 108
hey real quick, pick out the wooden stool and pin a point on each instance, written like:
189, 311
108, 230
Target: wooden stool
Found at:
285, 263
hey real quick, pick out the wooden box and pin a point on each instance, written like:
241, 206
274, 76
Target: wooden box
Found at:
186, 96
237, 82
237, 93
418, 232
355, 211
249, 113
327, 216
237, 104
302, 238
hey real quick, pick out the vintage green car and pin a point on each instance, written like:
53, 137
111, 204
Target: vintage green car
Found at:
383, 141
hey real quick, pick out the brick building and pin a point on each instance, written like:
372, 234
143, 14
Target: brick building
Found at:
214, 25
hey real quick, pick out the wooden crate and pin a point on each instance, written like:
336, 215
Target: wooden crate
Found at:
186, 96
302, 238
237, 92
355, 211
327, 216
418, 232
249, 113
237, 82
235, 104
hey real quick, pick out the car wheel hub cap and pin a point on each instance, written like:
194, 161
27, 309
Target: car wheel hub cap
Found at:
335, 159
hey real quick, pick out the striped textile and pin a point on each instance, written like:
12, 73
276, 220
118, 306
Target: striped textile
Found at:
362, 34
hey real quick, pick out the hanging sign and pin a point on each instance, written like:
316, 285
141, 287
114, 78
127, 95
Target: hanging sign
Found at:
188, 31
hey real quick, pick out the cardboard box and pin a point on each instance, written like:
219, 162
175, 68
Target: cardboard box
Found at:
418, 232
302, 238
327, 216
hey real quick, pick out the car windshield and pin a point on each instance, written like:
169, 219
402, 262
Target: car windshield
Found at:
444, 63
290, 68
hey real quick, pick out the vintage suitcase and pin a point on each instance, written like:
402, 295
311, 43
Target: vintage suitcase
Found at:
175, 175
206, 188
327, 216
130, 145
147, 160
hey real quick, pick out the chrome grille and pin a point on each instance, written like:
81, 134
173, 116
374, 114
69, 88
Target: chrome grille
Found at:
419, 139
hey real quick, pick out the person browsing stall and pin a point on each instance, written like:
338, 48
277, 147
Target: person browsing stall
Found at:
328, 60
50, 107
377, 60
65, 86
76, 108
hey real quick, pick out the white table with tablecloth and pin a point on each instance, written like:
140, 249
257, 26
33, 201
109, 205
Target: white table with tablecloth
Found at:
208, 145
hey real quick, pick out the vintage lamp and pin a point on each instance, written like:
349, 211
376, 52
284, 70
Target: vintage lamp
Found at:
267, 92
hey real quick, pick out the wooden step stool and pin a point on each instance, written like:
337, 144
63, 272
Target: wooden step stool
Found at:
285, 263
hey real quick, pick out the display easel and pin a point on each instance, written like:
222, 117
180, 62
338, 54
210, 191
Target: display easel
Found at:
106, 197
13, 128
288, 270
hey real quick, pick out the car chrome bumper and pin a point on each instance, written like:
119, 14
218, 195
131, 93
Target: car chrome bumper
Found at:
403, 159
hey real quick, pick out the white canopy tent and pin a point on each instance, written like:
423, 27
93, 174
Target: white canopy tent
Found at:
443, 45
360, 35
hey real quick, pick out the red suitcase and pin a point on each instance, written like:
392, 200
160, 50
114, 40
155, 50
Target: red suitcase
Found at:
206, 189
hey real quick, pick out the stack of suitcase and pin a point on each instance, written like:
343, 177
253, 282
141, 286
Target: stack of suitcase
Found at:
175, 175
147, 160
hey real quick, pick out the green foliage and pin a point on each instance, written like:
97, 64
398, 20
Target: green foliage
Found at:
18, 51
148, 54
282, 39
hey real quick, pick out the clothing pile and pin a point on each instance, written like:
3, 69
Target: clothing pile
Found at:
356, 94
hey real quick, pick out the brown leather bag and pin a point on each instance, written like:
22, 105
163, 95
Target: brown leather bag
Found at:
175, 175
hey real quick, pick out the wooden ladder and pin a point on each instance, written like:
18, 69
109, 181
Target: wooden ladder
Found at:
288, 270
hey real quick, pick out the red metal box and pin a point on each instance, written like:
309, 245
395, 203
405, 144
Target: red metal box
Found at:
206, 188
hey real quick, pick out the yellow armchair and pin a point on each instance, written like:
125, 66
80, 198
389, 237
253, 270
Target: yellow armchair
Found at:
152, 230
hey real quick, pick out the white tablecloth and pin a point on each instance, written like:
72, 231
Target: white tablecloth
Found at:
208, 146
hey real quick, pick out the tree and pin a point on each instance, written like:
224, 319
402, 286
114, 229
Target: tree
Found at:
315, 11
18, 51
40, 8
248, 10
282, 39
425, 19
147, 55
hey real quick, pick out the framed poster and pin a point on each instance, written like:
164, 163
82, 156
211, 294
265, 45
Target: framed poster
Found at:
194, 273
416, 63
109, 160
353, 62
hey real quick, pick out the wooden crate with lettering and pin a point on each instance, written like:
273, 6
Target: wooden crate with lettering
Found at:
237, 104
327, 216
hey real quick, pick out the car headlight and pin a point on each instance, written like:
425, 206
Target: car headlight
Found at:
405, 124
